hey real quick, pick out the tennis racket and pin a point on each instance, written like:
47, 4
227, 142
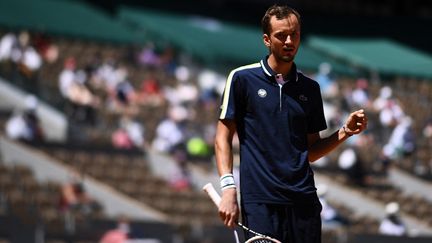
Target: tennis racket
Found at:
258, 238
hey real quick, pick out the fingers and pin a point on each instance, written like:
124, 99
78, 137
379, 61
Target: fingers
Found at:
229, 218
360, 120
359, 113
228, 208
231, 222
357, 122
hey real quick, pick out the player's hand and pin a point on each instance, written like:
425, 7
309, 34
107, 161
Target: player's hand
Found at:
356, 122
228, 207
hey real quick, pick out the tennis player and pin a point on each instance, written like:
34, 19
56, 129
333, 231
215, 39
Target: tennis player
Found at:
277, 113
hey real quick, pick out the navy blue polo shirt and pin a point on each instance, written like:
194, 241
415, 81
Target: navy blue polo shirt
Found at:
273, 121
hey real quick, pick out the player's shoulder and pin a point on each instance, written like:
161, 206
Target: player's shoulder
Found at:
307, 80
246, 69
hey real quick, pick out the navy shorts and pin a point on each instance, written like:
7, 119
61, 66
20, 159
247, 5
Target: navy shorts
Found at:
296, 223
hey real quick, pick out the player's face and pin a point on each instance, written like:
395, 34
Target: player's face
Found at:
284, 38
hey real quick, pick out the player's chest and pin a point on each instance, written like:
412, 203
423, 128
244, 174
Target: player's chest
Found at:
270, 98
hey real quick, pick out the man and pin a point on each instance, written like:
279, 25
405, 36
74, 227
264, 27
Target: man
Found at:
392, 224
277, 113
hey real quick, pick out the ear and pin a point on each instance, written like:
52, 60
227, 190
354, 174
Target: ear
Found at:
266, 40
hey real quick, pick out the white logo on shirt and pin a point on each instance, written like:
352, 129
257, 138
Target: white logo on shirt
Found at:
262, 93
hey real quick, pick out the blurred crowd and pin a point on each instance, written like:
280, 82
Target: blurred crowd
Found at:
182, 100
392, 134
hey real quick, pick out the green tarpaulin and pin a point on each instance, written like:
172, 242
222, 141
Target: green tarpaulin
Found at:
73, 18
381, 55
214, 41
208, 39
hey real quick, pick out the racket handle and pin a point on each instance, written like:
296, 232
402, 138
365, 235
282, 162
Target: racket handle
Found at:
211, 191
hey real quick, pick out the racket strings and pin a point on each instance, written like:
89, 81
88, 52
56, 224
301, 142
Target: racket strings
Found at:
260, 240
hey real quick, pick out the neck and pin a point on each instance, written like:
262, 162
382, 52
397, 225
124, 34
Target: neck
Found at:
281, 67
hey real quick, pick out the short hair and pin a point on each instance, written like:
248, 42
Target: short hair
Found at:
280, 12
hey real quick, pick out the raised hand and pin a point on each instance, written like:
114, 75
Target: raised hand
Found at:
356, 122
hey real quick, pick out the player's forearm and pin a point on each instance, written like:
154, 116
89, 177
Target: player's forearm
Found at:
325, 145
228, 208
223, 146
224, 156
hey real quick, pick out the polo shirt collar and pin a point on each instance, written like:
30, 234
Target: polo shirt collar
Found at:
269, 71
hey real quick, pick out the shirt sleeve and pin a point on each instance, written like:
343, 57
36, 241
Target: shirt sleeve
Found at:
317, 121
228, 107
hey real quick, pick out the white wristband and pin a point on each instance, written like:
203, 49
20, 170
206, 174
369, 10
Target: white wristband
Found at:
227, 181
228, 186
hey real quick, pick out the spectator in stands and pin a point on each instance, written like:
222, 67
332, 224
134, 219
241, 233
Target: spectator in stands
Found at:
91, 68
179, 178
389, 112
106, 75
328, 86
74, 197
122, 96
360, 95
125, 93
401, 142
67, 76
208, 82
150, 92
120, 234
392, 224
28, 62
24, 59
185, 92
148, 56
120, 139
8, 45
384, 96
427, 129
24, 125
46, 47
10, 56
31, 61
81, 102
125, 232
169, 133
130, 134
350, 162
329, 215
